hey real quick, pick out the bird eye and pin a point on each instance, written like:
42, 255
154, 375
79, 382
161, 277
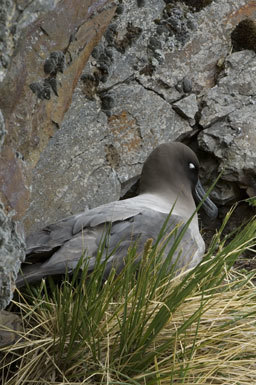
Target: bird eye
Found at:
191, 166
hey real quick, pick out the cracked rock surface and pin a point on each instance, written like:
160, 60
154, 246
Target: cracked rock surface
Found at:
229, 118
90, 87
36, 91
100, 152
44, 46
152, 78
12, 253
12, 246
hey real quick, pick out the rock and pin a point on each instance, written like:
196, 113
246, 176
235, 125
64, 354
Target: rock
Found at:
218, 106
225, 193
186, 85
155, 56
103, 150
14, 17
6, 12
2, 130
35, 93
10, 326
229, 116
34, 100
150, 58
11, 241
12, 253
187, 108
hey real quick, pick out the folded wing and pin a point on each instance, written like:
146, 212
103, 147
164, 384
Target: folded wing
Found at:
58, 247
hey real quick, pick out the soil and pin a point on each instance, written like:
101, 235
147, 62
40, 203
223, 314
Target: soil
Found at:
242, 214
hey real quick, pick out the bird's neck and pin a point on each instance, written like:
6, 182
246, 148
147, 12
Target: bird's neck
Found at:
167, 201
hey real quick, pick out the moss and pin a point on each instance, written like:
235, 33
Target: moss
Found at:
244, 36
197, 4
148, 70
140, 3
131, 35
90, 83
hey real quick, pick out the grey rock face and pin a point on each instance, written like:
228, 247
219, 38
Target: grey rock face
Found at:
12, 253
148, 81
14, 17
12, 246
93, 153
142, 85
2, 129
187, 108
31, 10
10, 325
229, 116
37, 58
6, 10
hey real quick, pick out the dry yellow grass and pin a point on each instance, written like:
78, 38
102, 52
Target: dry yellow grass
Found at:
145, 326
217, 348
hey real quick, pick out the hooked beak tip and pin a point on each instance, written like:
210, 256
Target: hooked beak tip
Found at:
209, 207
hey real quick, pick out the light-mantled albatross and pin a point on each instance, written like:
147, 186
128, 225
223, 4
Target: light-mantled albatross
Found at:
169, 178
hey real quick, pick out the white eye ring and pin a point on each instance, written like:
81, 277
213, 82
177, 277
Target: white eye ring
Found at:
191, 166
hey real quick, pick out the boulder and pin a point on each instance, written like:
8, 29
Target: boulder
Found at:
229, 121
90, 87
144, 84
44, 47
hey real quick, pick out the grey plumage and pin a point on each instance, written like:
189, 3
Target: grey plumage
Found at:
170, 175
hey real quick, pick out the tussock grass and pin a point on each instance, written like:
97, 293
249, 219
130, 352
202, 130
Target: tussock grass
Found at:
145, 326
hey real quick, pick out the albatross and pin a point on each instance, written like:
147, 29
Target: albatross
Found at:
169, 181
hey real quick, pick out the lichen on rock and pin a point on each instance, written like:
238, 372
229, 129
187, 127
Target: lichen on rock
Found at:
12, 253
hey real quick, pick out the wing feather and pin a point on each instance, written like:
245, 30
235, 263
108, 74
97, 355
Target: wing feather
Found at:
66, 243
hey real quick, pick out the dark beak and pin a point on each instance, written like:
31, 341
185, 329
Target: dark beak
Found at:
209, 207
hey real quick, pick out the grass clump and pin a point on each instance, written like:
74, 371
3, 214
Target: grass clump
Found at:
144, 326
